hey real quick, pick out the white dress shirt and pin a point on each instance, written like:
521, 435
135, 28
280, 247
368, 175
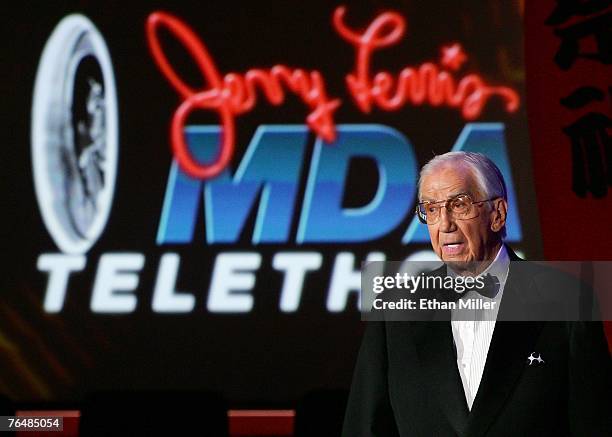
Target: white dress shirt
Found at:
472, 334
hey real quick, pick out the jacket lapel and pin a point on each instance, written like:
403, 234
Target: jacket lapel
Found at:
511, 344
434, 343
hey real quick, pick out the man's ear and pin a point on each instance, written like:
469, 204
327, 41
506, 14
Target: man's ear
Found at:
498, 215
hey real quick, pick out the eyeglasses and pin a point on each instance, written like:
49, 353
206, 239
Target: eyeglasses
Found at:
460, 207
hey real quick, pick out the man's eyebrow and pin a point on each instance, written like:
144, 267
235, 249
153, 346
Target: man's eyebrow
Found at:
458, 194
450, 196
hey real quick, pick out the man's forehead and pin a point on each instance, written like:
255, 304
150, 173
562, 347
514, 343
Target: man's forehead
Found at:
447, 182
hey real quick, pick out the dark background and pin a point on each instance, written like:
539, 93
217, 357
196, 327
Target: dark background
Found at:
264, 358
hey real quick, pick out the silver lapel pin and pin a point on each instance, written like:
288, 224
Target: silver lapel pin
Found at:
531, 358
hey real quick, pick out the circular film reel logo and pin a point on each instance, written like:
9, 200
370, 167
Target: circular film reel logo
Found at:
75, 134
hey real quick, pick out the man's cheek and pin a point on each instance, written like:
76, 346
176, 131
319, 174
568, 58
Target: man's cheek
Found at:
433, 237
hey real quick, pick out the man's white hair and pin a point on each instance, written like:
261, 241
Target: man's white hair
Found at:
488, 177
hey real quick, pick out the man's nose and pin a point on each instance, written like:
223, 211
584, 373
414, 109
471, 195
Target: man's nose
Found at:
447, 222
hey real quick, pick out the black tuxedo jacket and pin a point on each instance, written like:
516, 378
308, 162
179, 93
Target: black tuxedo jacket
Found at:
406, 381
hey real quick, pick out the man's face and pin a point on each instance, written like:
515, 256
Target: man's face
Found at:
462, 240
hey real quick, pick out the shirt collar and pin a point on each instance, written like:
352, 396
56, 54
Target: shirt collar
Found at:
499, 267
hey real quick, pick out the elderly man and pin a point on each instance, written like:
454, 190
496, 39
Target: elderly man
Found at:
474, 377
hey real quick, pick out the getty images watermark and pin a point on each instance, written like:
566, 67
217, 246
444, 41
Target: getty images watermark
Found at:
515, 291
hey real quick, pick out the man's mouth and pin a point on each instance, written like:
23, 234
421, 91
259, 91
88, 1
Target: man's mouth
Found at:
452, 248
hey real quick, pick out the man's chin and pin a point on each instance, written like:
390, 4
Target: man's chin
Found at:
460, 263
459, 258
465, 266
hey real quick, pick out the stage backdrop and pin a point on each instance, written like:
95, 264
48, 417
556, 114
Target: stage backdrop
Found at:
193, 185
